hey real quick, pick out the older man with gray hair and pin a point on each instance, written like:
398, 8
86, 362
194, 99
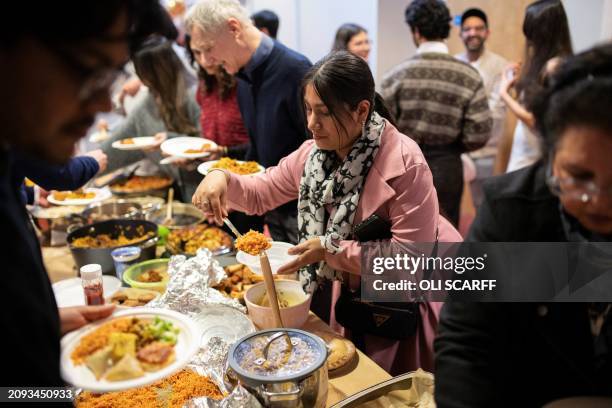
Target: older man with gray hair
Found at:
269, 88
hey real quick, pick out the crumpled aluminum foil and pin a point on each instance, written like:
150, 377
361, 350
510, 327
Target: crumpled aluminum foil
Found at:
210, 361
191, 282
190, 292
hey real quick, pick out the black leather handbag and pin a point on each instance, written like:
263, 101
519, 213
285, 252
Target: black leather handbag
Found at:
397, 321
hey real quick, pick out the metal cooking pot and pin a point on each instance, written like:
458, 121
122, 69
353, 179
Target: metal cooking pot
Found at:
183, 215
102, 256
120, 209
301, 381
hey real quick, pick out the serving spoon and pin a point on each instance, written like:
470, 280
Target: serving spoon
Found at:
168, 220
231, 226
266, 268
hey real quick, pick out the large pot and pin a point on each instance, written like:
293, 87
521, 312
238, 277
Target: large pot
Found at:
120, 209
130, 228
183, 215
300, 380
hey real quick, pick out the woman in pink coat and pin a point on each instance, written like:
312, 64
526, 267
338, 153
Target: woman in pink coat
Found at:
358, 164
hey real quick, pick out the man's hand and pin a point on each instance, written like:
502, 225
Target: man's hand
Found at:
308, 252
100, 157
72, 318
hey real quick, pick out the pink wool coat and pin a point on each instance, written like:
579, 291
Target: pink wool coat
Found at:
398, 188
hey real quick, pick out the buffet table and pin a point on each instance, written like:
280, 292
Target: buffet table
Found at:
357, 376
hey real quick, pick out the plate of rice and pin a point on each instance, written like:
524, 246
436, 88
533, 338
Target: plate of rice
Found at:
132, 348
235, 166
134, 143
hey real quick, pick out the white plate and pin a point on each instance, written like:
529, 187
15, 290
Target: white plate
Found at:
101, 195
177, 146
69, 292
80, 376
170, 160
223, 321
203, 168
139, 143
277, 255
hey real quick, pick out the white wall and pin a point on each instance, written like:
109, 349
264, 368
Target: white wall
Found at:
394, 41
606, 21
585, 21
309, 26
286, 10
319, 20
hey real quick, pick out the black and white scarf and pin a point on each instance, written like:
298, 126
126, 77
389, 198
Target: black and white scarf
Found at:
326, 182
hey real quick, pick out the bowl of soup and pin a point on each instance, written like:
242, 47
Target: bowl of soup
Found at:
294, 304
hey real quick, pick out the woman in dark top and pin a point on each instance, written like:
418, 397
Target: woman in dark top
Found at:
527, 354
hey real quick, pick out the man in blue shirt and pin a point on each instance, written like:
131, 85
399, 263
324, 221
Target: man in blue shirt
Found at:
269, 88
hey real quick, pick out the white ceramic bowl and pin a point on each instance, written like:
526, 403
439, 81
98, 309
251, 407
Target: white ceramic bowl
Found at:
277, 255
292, 317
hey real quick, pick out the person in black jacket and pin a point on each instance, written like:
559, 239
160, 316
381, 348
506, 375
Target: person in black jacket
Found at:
269, 84
57, 68
527, 354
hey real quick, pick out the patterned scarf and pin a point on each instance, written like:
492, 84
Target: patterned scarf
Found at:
325, 182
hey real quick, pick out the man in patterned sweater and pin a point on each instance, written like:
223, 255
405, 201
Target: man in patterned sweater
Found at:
439, 101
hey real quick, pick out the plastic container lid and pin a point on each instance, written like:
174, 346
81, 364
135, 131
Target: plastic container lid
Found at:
126, 254
91, 271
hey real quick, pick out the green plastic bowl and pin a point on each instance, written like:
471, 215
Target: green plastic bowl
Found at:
130, 275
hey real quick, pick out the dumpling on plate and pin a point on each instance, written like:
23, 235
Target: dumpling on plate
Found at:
126, 369
100, 361
122, 344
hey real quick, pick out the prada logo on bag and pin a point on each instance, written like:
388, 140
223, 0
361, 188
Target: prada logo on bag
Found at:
380, 319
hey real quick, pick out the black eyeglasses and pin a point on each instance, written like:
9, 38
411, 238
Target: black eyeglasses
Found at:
93, 80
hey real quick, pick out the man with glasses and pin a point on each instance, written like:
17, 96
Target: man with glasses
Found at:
269, 86
56, 73
474, 33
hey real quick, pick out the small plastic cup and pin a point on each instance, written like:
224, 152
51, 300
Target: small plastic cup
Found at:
123, 258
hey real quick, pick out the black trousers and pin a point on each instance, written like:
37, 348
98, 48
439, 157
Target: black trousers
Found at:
447, 171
